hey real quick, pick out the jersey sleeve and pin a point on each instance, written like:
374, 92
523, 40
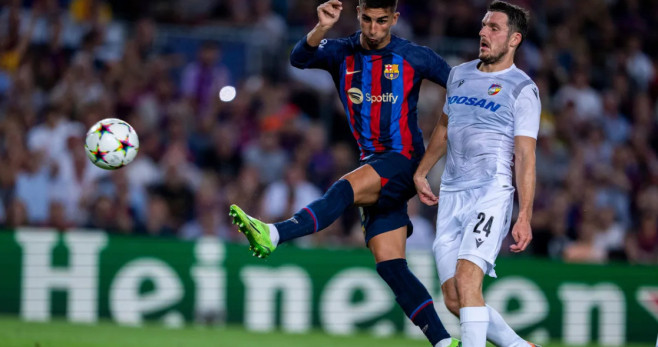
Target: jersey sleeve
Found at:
448, 81
325, 56
527, 110
436, 69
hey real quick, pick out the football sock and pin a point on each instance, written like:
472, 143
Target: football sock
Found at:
414, 299
274, 234
474, 324
444, 343
319, 214
500, 333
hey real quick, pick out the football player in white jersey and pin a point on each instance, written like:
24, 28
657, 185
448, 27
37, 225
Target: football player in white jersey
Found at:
490, 118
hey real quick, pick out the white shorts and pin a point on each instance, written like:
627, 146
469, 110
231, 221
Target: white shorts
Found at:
471, 225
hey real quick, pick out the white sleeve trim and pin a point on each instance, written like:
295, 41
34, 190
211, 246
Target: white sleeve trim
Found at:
526, 133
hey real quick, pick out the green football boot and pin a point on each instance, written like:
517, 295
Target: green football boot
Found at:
455, 343
257, 232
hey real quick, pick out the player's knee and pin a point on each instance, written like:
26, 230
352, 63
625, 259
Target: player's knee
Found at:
450, 298
452, 303
366, 185
468, 276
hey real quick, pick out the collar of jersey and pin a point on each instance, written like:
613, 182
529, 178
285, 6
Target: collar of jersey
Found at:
477, 62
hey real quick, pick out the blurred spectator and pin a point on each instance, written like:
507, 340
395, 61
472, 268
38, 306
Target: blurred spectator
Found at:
584, 250
557, 225
202, 79
315, 151
267, 156
51, 136
269, 34
552, 158
16, 214
223, 156
209, 219
158, 218
103, 214
33, 184
246, 190
144, 171
75, 180
615, 125
586, 100
284, 197
176, 194
78, 87
57, 216
15, 40
610, 234
597, 150
638, 64
642, 246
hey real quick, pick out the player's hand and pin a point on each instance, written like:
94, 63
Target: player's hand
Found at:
522, 233
328, 13
425, 192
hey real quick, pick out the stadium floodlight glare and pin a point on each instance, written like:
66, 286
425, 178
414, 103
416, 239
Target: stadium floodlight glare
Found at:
227, 93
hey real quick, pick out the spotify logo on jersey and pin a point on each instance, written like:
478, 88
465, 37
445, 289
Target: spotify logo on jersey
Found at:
355, 95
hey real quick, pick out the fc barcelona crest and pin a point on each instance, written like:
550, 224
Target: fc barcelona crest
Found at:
391, 71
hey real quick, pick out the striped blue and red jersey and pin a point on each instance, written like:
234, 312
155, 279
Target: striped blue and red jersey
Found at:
378, 88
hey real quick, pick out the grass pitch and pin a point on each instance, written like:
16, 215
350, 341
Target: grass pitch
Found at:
15, 333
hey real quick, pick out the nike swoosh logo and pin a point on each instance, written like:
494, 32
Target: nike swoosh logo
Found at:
352, 72
253, 225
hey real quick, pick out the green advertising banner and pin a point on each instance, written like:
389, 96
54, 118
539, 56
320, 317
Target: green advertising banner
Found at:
88, 275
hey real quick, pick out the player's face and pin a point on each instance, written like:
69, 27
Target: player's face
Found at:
376, 26
495, 37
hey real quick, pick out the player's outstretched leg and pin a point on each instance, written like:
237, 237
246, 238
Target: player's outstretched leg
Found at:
318, 215
257, 232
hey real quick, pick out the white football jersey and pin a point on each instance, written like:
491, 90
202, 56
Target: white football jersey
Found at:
485, 112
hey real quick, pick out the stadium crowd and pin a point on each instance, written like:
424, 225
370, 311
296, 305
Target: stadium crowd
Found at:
65, 64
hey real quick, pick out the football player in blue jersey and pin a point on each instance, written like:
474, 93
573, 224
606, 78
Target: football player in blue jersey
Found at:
490, 118
378, 77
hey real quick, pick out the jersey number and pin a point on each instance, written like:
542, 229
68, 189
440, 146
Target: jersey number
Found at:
487, 226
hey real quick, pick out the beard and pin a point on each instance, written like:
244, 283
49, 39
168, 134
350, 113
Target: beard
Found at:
491, 58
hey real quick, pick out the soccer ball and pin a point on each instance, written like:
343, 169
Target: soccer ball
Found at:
111, 144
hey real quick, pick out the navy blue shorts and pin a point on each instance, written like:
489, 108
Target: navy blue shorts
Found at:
390, 211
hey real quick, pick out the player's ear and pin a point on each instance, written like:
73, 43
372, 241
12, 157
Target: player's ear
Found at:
516, 39
396, 15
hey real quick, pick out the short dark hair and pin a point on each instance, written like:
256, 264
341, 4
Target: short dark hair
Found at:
517, 16
379, 4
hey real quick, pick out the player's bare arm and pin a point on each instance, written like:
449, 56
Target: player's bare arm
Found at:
435, 150
524, 152
328, 15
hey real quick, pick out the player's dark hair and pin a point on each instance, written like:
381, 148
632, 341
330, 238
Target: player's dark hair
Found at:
392, 4
517, 16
